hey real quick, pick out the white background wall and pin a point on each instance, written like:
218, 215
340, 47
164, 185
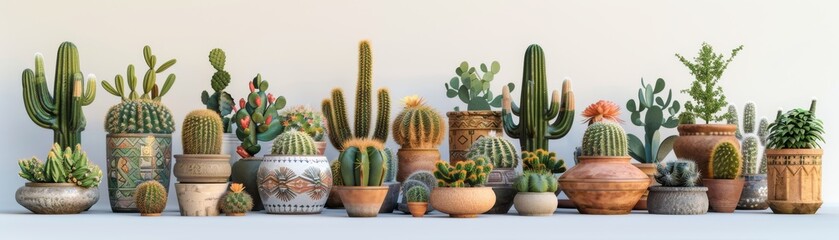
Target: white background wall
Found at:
305, 49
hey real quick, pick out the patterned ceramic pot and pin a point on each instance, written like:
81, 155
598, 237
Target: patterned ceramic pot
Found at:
56, 198
244, 172
199, 199
501, 181
415, 159
462, 202
604, 185
795, 180
134, 159
535, 204
294, 184
678, 200
466, 127
754, 193
697, 141
202, 168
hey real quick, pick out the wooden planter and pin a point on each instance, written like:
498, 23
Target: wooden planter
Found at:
794, 180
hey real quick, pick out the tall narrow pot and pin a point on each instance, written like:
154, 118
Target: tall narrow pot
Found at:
604, 185
134, 159
244, 172
294, 184
466, 127
794, 180
697, 141
415, 159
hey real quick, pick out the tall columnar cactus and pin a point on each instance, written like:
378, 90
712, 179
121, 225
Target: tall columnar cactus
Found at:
536, 182
652, 149
418, 125
752, 139
363, 163
258, 118
533, 129
542, 161
392, 166
150, 197
335, 111
677, 173
237, 200
469, 173
726, 162
220, 101
294, 143
501, 153
473, 89
202, 132
61, 112
604, 139
67, 166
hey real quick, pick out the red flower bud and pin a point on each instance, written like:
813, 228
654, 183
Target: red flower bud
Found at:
241, 151
250, 85
271, 98
258, 101
268, 120
245, 122
241, 103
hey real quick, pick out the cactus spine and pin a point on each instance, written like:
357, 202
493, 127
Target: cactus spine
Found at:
392, 166
726, 162
501, 153
542, 161
63, 111
653, 149
417, 194
220, 101
363, 163
294, 143
469, 173
533, 129
335, 167
535, 182
604, 139
237, 201
67, 166
418, 125
202, 132
258, 118
150, 197
752, 139
677, 173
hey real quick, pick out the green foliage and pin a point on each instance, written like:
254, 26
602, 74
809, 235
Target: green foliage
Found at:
418, 194
363, 163
258, 118
150, 88
202, 132
798, 128
708, 97
294, 143
304, 119
687, 118
469, 173
726, 162
501, 153
220, 101
542, 161
677, 173
418, 125
536, 182
67, 166
237, 200
652, 149
604, 139
473, 88
392, 166
150, 197
139, 116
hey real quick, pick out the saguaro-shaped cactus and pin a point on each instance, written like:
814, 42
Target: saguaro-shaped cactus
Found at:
63, 111
533, 129
653, 149
258, 118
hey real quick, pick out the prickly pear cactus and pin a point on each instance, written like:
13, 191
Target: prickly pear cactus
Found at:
652, 149
473, 88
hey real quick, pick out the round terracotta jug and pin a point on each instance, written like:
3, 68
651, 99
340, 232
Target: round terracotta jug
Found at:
697, 141
604, 185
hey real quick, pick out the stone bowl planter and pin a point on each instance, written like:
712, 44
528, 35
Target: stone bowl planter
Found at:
723, 194
755, 192
294, 184
134, 159
466, 127
415, 159
56, 198
392, 198
244, 172
417, 209
199, 199
465, 202
678, 200
362, 201
202, 168
604, 185
697, 141
794, 179
535, 204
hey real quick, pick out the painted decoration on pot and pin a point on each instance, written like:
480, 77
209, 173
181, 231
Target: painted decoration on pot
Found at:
295, 180
466, 128
132, 160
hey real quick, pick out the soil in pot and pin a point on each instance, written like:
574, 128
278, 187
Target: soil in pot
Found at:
202, 168
465, 202
415, 159
134, 159
362, 201
697, 141
650, 170
678, 200
535, 204
794, 178
466, 127
294, 184
723, 194
754, 193
199, 199
56, 198
244, 172
604, 185
417, 209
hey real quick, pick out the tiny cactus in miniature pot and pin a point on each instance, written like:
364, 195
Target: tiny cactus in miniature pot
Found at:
294, 143
202, 132
151, 198
604, 139
535, 195
236, 202
417, 194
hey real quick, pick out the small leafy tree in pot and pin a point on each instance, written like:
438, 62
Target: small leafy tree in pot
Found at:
708, 97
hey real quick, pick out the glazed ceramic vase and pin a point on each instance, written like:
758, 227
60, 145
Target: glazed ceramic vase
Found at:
134, 159
466, 127
723, 194
677, 200
650, 170
56, 198
415, 159
294, 184
501, 181
462, 202
755, 192
362, 201
604, 185
794, 178
535, 204
202, 168
417, 209
244, 172
697, 141
392, 198
199, 199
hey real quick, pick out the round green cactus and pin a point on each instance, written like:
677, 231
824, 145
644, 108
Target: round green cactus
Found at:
726, 162
202, 132
150, 197
294, 143
418, 125
237, 200
604, 139
501, 153
392, 166
418, 194
536, 182
687, 118
139, 116
677, 173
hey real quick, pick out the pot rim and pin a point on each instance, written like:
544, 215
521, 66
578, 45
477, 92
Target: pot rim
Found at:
280, 155
44, 184
418, 149
135, 135
205, 157
604, 158
794, 151
718, 129
536, 193
417, 203
678, 189
368, 188
473, 112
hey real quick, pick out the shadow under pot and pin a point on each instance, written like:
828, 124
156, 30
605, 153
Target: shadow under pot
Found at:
723, 194
501, 181
244, 172
294, 184
678, 200
415, 159
56, 198
462, 202
697, 141
604, 185
362, 201
754, 193
132, 160
795, 180
466, 127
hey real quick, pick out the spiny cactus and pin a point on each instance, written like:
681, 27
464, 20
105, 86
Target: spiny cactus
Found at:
426, 177
336, 113
202, 132
604, 139
303, 118
536, 182
67, 166
61, 112
258, 118
687, 118
726, 162
652, 149
363, 163
150, 197
469, 173
501, 153
294, 143
150, 88
220, 101
418, 125
473, 89
533, 129
677, 173
237, 200
749, 147
418, 194
392, 166
335, 167
752, 139
542, 161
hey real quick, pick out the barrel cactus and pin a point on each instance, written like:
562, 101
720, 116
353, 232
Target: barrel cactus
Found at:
542, 161
501, 153
62, 166
726, 162
363, 163
418, 125
202, 132
294, 143
536, 182
418, 194
237, 201
604, 139
469, 173
677, 173
150, 197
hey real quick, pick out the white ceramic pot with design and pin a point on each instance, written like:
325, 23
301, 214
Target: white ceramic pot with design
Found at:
294, 184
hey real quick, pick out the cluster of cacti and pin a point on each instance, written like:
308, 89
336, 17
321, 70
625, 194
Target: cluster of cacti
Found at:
796, 129
604, 139
473, 89
294, 143
469, 173
417, 194
536, 182
725, 161
258, 118
220, 101
304, 119
202, 132
335, 111
150, 197
602, 110
687, 118
335, 168
533, 129
363, 163
542, 161
652, 149
392, 166
501, 153
418, 125
237, 200
677, 173
67, 166
752, 139
61, 112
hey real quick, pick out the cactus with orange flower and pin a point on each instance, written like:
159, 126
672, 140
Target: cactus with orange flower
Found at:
258, 118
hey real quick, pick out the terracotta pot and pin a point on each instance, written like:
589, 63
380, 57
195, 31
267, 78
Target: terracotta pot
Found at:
244, 172
417, 208
199, 199
465, 202
334, 199
466, 127
321, 146
134, 159
229, 142
604, 185
235, 214
56, 198
794, 180
294, 184
754, 193
415, 159
650, 170
723, 194
697, 141
678, 200
202, 168
150, 214
504, 196
535, 204
362, 201
392, 197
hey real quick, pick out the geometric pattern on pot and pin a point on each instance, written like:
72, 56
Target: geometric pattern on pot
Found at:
134, 159
294, 184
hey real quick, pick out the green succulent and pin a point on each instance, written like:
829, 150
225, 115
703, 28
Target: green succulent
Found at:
67, 166
418, 194
536, 182
798, 128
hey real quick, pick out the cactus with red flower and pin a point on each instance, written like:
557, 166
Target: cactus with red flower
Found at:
257, 118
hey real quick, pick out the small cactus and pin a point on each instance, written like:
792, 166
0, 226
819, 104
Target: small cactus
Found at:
726, 162
363, 163
150, 197
501, 153
677, 173
604, 139
418, 194
536, 182
418, 125
202, 132
469, 173
237, 201
426, 177
687, 118
542, 161
294, 143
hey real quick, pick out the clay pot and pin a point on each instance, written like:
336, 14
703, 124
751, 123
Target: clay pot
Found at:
334, 199
229, 142
535, 204
392, 197
466, 127
235, 214
650, 170
417, 208
294, 184
501, 180
463, 202
199, 199
415, 159
56, 198
754, 193
244, 172
678, 200
604, 185
794, 180
697, 141
321, 146
202, 168
362, 201
723, 194
134, 159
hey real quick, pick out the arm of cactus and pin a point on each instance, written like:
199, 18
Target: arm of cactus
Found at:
39, 105
565, 119
665, 147
636, 148
334, 134
553, 108
383, 116
510, 127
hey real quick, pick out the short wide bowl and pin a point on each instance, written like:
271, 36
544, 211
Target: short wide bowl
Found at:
535, 204
678, 200
56, 198
202, 168
362, 201
465, 202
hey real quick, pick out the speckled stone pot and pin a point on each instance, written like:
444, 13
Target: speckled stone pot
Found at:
464, 202
754, 193
199, 199
677, 200
202, 168
362, 201
535, 204
56, 198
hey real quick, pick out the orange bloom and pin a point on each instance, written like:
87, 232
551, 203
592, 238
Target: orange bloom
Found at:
602, 110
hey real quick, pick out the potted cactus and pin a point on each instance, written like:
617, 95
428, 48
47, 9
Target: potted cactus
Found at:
725, 184
460, 190
424, 179
237, 202
696, 141
222, 102
419, 130
151, 198
535, 195
545, 161
604, 182
479, 120
678, 193
139, 140
202, 170
294, 179
363, 164
67, 183
533, 129
504, 159
794, 162
303, 118
257, 120
418, 200
752, 140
